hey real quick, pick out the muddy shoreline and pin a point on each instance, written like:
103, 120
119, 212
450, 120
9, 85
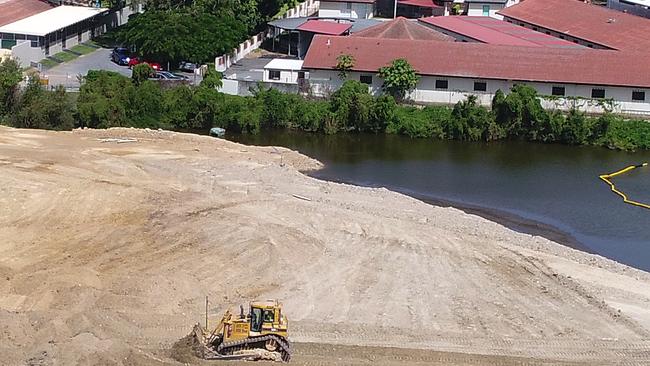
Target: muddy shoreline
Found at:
507, 219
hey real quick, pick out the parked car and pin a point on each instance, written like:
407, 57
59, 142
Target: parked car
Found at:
166, 75
120, 56
187, 66
136, 61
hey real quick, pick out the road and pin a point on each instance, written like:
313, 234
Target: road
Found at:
67, 73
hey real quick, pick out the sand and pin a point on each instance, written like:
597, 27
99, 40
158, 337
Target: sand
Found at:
108, 249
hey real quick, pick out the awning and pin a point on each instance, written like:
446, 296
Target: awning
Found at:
325, 27
419, 3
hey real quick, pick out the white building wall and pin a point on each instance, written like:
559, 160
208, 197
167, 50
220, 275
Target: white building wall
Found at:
345, 10
24, 53
476, 10
325, 82
286, 76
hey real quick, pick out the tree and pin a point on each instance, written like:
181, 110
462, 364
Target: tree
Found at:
344, 63
10, 77
103, 99
399, 78
212, 78
142, 72
182, 35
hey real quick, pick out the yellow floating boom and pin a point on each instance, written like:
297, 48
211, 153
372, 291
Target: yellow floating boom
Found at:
607, 177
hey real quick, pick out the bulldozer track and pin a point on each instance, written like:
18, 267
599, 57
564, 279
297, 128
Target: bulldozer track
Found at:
230, 347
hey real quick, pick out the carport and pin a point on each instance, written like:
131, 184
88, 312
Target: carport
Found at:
305, 28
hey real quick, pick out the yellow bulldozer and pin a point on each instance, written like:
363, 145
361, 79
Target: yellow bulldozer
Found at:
261, 334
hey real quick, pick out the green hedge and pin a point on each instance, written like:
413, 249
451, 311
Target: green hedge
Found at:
107, 99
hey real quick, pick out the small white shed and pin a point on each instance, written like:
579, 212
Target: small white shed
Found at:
283, 71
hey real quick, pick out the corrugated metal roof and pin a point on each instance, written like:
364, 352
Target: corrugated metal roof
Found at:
592, 23
51, 20
284, 64
494, 31
324, 27
420, 3
15, 10
486, 61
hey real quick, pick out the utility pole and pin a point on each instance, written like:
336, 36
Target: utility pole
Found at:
395, 11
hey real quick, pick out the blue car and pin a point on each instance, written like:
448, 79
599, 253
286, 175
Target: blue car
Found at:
120, 56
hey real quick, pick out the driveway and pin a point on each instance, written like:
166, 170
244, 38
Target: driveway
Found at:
66, 73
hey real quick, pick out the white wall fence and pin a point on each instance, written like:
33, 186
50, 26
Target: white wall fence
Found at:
243, 87
223, 62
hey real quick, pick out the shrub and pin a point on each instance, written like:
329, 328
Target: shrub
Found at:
141, 73
10, 77
39, 108
399, 78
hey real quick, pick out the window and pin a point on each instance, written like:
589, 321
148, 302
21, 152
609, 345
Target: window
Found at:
486, 10
366, 79
442, 84
638, 96
558, 90
597, 93
535, 29
301, 75
274, 74
549, 33
480, 86
256, 319
268, 316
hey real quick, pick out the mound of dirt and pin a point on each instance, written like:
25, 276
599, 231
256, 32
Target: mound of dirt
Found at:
110, 240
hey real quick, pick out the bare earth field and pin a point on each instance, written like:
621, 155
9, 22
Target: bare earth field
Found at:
107, 251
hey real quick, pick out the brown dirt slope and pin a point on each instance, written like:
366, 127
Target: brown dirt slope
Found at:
108, 249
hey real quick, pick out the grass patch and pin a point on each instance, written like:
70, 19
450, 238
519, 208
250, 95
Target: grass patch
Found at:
47, 63
82, 49
65, 56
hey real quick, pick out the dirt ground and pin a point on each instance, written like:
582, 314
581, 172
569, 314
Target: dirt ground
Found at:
108, 249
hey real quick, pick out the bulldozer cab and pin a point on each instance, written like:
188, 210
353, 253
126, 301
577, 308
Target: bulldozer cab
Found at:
266, 315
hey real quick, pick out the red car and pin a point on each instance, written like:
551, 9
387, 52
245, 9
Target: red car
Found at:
154, 65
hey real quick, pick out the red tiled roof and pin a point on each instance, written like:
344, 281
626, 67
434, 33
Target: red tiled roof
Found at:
420, 3
494, 31
596, 24
350, 1
324, 27
15, 10
402, 28
485, 61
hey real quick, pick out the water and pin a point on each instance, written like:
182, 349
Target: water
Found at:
555, 185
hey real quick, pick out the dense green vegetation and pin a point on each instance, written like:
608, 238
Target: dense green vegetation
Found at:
195, 30
107, 99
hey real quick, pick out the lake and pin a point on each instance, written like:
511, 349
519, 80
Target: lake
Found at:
530, 187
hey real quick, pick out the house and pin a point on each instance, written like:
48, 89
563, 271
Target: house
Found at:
449, 71
285, 71
414, 9
485, 8
636, 7
586, 24
35, 37
354, 9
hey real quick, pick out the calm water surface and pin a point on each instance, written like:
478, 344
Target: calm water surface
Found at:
552, 184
